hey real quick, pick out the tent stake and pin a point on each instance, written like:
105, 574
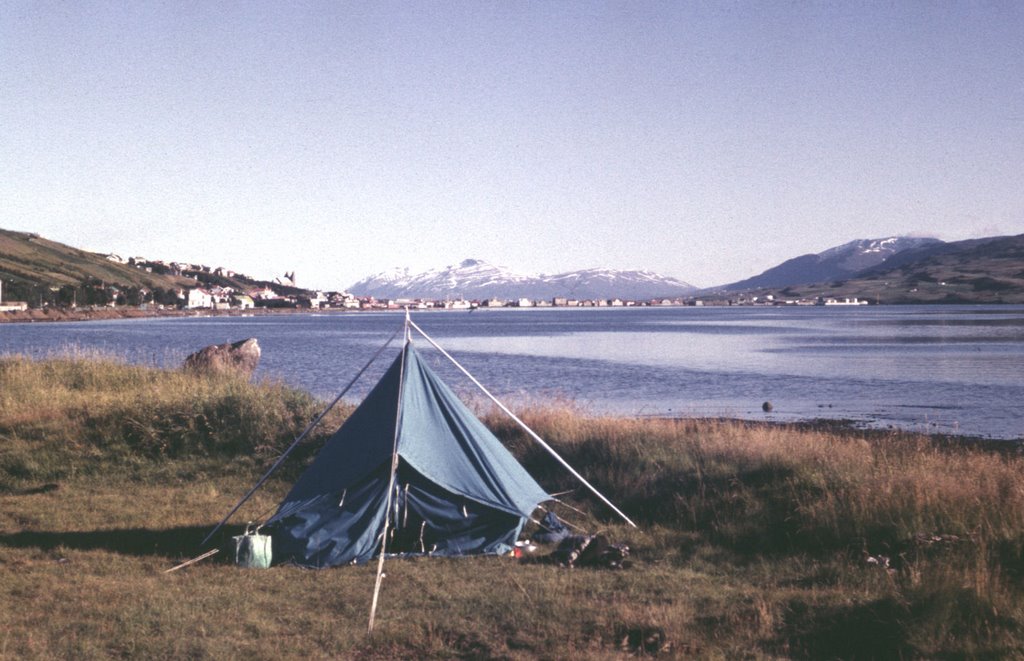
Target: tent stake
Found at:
192, 561
525, 428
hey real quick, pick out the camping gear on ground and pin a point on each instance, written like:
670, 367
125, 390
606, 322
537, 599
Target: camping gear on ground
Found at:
589, 551
524, 548
551, 530
252, 550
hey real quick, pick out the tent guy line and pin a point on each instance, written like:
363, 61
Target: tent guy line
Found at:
536, 437
298, 439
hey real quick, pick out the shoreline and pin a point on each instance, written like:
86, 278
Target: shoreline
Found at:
839, 426
53, 315
50, 314
847, 426
842, 426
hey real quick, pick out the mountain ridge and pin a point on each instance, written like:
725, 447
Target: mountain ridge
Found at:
837, 263
477, 279
889, 270
987, 270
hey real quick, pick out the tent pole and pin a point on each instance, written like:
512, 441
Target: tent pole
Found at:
522, 424
284, 455
391, 481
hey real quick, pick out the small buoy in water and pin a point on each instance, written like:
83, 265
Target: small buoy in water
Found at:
766, 407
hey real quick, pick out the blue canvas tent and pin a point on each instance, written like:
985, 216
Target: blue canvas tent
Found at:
412, 470
455, 490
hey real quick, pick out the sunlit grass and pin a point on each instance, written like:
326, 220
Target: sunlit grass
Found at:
754, 540
64, 416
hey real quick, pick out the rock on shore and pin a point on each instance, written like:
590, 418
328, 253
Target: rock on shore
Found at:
240, 357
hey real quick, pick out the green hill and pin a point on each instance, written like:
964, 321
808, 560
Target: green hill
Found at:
43, 272
31, 259
989, 270
38, 270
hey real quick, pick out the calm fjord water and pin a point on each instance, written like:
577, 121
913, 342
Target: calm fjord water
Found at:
927, 368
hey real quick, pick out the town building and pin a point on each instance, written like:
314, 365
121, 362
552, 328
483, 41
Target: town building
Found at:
199, 298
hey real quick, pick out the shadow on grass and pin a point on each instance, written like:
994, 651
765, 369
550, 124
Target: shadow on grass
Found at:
874, 630
948, 620
177, 542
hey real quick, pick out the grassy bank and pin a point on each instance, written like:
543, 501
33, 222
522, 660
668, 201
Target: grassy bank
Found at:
754, 541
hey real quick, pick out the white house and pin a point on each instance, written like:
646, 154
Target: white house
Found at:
318, 300
244, 302
264, 293
845, 301
10, 306
199, 298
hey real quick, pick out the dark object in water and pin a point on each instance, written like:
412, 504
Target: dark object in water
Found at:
767, 407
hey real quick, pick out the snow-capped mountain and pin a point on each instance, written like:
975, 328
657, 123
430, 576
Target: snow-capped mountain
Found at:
475, 279
838, 263
609, 283
862, 254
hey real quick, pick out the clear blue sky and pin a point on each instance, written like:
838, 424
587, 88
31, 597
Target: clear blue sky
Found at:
707, 141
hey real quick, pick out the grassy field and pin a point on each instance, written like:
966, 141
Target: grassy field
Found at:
26, 257
754, 541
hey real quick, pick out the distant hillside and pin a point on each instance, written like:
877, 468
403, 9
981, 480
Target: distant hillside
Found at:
475, 279
989, 270
30, 259
40, 271
839, 263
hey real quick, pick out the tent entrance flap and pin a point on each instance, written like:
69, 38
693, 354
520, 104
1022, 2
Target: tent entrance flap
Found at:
426, 519
333, 528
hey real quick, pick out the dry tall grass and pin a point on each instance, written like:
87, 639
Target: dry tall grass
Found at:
62, 416
762, 488
754, 541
